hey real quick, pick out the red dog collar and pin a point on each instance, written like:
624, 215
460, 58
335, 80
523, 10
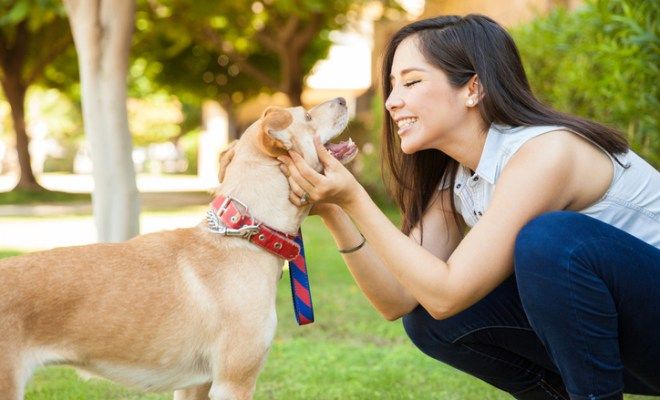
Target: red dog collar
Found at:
226, 218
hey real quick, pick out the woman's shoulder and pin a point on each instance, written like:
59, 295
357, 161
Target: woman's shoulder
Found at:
520, 134
503, 141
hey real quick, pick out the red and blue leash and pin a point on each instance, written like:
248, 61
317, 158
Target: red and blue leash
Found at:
300, 290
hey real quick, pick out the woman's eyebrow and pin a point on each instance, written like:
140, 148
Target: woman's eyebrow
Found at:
407, 70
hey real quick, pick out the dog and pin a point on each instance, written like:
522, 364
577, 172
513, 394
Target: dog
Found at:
190, 310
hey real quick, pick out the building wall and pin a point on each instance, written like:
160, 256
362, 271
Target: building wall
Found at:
508, 13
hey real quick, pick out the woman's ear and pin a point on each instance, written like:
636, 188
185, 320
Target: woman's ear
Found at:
475, 91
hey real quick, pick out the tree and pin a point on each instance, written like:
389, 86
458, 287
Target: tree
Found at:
102, 31
237, 49
25, 26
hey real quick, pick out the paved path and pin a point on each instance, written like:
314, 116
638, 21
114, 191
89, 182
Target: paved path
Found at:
44, 226
85, 183
148, 202
46, 233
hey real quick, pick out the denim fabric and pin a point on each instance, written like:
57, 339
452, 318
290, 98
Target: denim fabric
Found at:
631, 203
585, 290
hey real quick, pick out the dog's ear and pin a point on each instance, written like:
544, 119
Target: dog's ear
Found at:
226, 156
275, 139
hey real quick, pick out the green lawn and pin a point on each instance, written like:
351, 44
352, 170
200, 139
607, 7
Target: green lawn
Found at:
18, 196
350, 352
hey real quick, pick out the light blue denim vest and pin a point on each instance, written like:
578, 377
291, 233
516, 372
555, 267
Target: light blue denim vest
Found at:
632, 202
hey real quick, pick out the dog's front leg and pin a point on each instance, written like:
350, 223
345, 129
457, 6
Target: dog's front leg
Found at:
235, 373
11, 386
197, 393
234, 389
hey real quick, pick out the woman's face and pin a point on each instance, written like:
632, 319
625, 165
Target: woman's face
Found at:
422, 103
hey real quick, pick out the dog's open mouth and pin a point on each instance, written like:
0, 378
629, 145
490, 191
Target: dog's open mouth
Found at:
344, 151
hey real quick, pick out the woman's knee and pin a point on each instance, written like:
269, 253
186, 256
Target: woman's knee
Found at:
428, 334
545, 240
541, 250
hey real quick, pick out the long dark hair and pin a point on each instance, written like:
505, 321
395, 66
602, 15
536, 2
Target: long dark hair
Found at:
463, 47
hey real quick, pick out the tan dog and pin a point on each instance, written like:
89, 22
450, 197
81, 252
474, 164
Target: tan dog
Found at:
185, 309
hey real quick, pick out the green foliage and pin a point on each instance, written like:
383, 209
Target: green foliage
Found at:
37, 11
601, 62
190, 145
154, 118
232, 51
203, 49
367, 167
25, 27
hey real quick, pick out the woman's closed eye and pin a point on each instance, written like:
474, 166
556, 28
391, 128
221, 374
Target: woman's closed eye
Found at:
410, 83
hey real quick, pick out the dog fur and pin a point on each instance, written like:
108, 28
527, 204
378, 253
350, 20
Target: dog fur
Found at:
186, 310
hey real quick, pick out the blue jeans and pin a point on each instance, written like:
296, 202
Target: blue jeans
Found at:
579, 318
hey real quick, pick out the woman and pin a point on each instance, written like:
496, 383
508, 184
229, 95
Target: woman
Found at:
555, 289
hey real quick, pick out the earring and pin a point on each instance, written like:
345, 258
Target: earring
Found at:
470, 102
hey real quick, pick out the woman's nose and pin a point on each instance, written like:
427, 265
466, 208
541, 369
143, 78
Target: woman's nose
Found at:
393, 102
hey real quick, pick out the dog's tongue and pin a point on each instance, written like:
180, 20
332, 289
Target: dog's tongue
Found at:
344, 151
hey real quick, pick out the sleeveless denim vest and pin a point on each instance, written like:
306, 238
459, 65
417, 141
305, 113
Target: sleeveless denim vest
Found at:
631, 203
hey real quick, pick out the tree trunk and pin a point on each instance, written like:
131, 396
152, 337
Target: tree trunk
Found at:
15, 93
292, 77
102, 31
12, 62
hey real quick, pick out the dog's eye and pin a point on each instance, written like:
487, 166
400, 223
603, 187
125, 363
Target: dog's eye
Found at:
308, 116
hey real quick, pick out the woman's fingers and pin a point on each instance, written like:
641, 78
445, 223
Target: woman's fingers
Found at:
297, 200
305, 170
296, 189
298, 196
285, 170
301, 189
325, 157
298, 177
300, 171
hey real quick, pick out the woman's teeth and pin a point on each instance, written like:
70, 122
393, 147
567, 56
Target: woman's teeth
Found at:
406, 122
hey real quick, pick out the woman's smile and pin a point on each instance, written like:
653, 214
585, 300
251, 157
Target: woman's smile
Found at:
404, 124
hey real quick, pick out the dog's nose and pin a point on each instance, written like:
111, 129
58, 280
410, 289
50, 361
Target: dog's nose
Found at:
341, 101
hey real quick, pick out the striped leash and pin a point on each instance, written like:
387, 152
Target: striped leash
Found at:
300, 290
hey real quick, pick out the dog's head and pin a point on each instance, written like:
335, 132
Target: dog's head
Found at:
285, 129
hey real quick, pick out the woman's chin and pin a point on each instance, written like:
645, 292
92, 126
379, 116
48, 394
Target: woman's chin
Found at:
408, 148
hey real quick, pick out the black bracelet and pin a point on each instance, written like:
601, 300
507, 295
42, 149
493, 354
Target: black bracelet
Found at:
356, 248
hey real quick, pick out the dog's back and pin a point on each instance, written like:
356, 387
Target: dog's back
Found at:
172, 290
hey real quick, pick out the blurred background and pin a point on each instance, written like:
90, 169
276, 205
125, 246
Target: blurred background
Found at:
200, 72
197, 73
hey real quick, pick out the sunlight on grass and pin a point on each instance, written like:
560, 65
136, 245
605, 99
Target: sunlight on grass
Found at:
350, 352
18, 196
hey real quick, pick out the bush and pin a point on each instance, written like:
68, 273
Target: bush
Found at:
366, 133
190, 144
600, 62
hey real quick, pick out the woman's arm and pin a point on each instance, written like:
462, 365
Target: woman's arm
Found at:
537, 179
386, 294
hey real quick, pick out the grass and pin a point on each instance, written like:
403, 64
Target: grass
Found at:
9, 252
19, 196
350, 352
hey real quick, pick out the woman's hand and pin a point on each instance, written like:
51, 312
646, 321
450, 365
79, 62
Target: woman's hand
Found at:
336, 185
